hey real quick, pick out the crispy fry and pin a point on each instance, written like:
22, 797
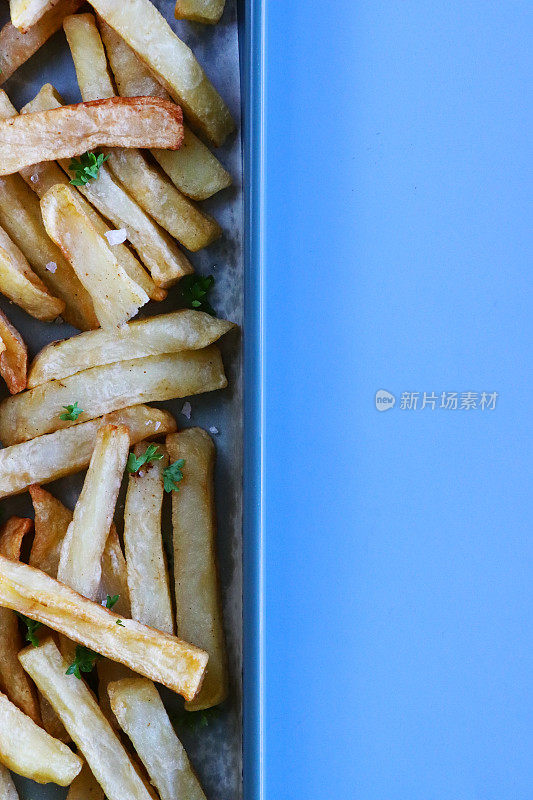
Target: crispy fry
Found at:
156, 655
166, 262
83, 546
101, 390
116, 298
88, 727
20, 216
152, 191
172, 62
145, 557
193, 169
141, 714
63, 453
29, 751
207, 11
21, 285
13, 679
14, 356
85, 786
198, 603
72, 130
114, 574
7, 787
167, 333
26, 13
52, 519
16, 47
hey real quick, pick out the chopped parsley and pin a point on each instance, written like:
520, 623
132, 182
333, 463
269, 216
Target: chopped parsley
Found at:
112, 601
119, 622
84, 661
86, 168
194, 290
32, 625
71, 413
172, 475
152, 453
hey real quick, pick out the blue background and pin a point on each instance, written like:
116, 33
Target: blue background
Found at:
394, 227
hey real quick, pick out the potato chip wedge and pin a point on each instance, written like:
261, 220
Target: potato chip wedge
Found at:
101, 390
166, 262
63, 453
13, 680
198, 602
116, 298
79, 712
16, 47
13, 356
145, 556
193, 169
25, 13
29, 751
156, 655
168, 333
141, 714
7, 787
73, 130
172, 62
85, 786
206, 11
20, 216
80, 564
20, 284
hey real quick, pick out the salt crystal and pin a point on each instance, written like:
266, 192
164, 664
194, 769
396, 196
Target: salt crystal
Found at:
51, 266
34, 178
157, 426
116, 237
212, 429
186, 410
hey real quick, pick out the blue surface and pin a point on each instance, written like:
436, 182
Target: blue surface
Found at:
398, 546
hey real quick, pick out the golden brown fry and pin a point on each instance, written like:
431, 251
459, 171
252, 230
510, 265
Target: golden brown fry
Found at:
140, 711
206, 11
80, 564
80, 714
168, 333
116, 298
7, 787
193, 169
63, 453
156, 655
16, 47
172, 62
26, 13
29, 751
20, 216
52, 519
152, 191
198, 602
101, 390
85, 786
13, 679
145, 556
14, 356
72, 130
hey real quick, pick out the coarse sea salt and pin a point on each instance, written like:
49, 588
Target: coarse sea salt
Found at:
186, 410
34, 178
116, 237
212, 429
51, 266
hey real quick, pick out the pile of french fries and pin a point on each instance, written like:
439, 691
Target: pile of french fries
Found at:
98, 204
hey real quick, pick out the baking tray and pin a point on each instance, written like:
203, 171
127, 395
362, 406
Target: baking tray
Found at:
215, 749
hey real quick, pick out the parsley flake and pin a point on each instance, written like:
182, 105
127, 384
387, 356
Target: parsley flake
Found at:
194, 289
136, 462
32, 625
111, 601
172, 475
84, 661
72, 412
119, 622
86, 168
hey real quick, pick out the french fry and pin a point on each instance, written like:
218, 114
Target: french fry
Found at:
21, 285
29, 751
152, 191
20, 216
79, 712
72, 130
16, 47
52, 519
85, 786
63, 453
172, 62
193, 169
198, 603
7, 787
80, 564
168, 333
13, 356
145, 557
166, 262
116, 298
206, 11
13, 679
101, 390
26, 13
114, 574
166, 659
141, 714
